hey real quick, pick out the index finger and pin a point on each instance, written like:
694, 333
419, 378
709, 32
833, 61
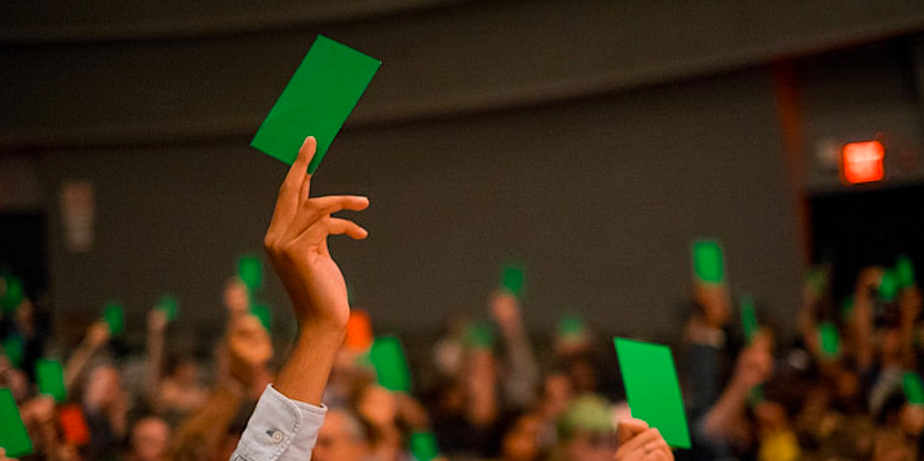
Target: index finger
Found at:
298, 172
626, 429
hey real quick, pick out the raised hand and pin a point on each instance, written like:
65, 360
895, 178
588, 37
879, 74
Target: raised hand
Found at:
639, 442
297, 245
249, 348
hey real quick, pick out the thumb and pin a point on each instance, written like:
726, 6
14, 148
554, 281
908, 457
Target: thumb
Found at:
629, 428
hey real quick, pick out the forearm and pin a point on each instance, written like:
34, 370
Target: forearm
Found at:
153, 367
76, 364
522, 380
304, 374
727, 411
204, 429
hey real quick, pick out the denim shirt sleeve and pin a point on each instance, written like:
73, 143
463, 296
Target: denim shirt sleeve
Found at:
280, 429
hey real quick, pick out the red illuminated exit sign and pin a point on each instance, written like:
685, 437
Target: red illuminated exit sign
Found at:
861, 162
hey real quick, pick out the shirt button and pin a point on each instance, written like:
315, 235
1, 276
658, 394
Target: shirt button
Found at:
278, 437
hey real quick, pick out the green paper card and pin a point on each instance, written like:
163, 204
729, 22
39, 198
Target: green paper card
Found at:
13, 436
847, 307
390, 364
748, 319
480, 335
250, 270
830, 340
424, 446
50, 377
707, 261
904, 272
263, 313
571, 325
12, 295
513, 278
14, 349
169, 306
652, 388
914, 388
316, 102
888, 288
114, 315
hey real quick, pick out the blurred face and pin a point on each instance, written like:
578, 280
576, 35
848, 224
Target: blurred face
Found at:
378, 405
715, 302
522, 442
557, 394
590, 446
338, 439
187, 373
103, 387
150, 438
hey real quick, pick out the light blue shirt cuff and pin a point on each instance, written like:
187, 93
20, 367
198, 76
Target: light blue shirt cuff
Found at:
280, 429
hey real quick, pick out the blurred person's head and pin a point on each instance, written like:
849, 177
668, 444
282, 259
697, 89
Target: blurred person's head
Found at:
713, 303
150, 437
375, 404
103, 387
582, 371
522, 441
341, 438
586, 431
556, 394
16, 381
185, 371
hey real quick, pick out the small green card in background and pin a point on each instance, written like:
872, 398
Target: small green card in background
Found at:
847, 307
13, 436
316, 102
513, 278
50, 377
169, 306
830, 340
114, 315
13, 294
914, 388
250, 270
424, 446
15, 349
652, 388
571, 325
888, 288
263, 313
480, 335
749, 324
904, 271
707, 261
390, 364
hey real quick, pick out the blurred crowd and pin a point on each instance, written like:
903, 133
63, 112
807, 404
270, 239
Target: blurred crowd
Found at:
845, 388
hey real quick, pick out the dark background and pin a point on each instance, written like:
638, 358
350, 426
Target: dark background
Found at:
591, 139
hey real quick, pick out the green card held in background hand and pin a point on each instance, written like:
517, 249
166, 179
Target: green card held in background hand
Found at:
263, 313
390, 364
13, 436
830, 340
513, 278
316, 102
707, 261
50, 377
250, 270
169, 306
424, 446
748, 319
888, 288
904, 271
114, 315
913, 387
15, 349
480, 335
12, 294
652, 388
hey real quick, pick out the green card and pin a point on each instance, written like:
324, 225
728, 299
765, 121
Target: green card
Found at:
888, 288
513, 278
263, 313
847, 307
914, 388
50, 377
830, 340
12, 295
748, 319
571, 325
390, 364
316, 102
114, 315
169, 306
250, 270
707, 261
652, 388
480, 335
904, 271
15, 349
13, 436
424, 446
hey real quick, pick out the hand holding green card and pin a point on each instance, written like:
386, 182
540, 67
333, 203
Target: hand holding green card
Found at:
114, 316
316, 102
250, 270
50, 377
13, 436
830, 340
749, 324
513, 278
263, 313
707, 262
390, 364
653, 389
169, 306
